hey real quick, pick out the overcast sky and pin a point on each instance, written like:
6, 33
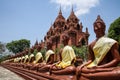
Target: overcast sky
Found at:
31, 19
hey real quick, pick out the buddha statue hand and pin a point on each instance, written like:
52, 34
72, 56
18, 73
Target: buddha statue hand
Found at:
94, 67
50, 70
79, 68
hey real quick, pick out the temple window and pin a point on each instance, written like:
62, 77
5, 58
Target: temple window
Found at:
65, 27
78, 27
83, 42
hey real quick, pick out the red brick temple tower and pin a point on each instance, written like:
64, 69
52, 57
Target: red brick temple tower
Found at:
66, 32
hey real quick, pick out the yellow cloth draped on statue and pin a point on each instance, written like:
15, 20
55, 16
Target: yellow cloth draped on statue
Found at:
17, 59
30, 57
68, 56
101, 48
26, 58
47, 55
38, 56
22, 59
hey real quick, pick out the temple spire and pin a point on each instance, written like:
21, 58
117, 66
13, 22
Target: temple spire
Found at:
60, 16
73, 16
72, 9
60, 12
36, 43
87, 31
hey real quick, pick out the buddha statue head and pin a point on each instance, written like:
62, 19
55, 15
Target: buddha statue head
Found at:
49, 57
99, 27
26, 59
38, 58
31, 58
22, 59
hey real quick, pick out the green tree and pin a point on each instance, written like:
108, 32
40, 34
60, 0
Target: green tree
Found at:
2, 47
3, 58
18, 45
114, 30
81, 51
43, 51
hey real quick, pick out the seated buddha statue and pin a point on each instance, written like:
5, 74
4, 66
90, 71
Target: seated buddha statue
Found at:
66, 65
103, 57
22, 61
26, 61
30, 61
38, 59
18, 62
49, 59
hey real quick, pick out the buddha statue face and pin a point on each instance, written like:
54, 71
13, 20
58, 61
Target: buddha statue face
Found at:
51, 59
32, 59
40, 60
99, 30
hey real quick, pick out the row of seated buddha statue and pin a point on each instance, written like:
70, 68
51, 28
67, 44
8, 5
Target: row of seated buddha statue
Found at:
64, 66
102, 64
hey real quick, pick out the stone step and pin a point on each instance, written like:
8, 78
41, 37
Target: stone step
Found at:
6, 74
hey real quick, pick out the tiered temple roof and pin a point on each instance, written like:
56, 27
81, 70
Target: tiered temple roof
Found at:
66, 31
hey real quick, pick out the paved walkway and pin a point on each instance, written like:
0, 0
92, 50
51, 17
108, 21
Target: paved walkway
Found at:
5, 74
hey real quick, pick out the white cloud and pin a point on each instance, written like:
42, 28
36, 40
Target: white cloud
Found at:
80, 6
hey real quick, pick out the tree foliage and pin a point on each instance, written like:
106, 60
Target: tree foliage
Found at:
81, 51
57, 50
114, 30
2, 47
43, 51
18, 45
3, 58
